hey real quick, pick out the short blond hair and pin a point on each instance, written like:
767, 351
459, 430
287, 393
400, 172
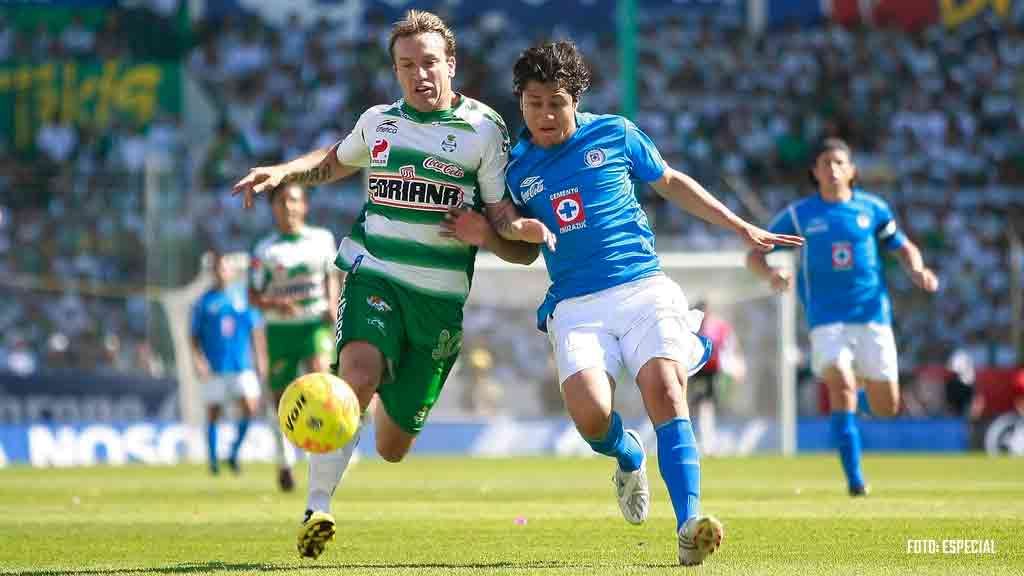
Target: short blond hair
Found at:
421, 22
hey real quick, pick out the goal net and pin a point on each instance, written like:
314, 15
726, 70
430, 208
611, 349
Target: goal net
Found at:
506, 368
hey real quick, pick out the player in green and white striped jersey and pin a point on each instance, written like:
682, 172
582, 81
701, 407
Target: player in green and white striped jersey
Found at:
292, 280
400, 316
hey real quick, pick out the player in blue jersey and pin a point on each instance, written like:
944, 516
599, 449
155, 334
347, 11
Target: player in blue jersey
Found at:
610, 307
841, 283
226, 332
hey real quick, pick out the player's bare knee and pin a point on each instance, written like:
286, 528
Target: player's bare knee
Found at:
391, 452
664, 392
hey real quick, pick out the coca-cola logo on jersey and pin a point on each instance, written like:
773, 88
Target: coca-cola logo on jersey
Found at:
442, 167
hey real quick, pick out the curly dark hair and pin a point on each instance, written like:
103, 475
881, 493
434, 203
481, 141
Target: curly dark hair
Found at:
558, 62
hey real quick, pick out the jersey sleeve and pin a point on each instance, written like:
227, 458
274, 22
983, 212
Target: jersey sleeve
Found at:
512, 196
491, 175
645, 160
785, 223
888, 233
354, 149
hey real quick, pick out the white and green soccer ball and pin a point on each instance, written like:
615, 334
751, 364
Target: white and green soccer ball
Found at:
318, 412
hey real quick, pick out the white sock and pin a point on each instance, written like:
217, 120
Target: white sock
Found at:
284, 453
325, 472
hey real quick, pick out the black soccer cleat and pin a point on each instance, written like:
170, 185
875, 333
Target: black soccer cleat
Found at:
859, 491
316, 531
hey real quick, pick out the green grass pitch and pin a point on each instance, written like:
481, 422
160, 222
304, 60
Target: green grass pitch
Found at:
513, 516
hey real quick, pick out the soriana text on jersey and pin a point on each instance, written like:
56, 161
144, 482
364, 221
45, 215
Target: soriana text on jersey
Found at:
414, 193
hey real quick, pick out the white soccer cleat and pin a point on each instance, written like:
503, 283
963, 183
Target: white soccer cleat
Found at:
633, 490
699, 537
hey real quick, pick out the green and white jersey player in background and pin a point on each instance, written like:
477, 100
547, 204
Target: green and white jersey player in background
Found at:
400, 314
293, 282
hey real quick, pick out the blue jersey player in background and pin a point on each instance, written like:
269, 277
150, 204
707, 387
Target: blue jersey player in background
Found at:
609, 306
226, 331
841, 283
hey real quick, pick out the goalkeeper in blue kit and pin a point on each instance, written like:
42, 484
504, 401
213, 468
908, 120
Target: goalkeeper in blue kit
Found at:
841, 283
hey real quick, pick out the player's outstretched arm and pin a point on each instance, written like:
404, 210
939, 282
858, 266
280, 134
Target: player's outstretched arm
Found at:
317, 167
687, 194
472, 228
910, 257
511, 226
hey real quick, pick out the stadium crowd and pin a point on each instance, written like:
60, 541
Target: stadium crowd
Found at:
933, 117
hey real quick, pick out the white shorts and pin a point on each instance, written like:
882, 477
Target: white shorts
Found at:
624, 327
869, 349
223, 387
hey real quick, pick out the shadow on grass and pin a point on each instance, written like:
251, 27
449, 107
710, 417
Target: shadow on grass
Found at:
206, 567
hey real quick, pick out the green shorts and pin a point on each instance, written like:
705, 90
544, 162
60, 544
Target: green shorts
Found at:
291, 345
419, 336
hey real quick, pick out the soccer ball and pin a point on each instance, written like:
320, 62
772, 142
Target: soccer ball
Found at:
318, 412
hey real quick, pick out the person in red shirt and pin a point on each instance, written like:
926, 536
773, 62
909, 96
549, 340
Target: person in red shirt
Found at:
726, 364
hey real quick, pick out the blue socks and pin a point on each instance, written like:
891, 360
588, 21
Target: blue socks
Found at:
243, 427
863, 405
679, 463
211, 445
619, 445
847, 439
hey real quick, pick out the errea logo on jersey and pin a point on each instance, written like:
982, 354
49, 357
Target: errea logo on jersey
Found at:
379, 152
388, 126
414, 193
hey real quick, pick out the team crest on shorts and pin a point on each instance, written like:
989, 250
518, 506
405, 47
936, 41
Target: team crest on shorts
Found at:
594, 157
568, 208
378, 304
